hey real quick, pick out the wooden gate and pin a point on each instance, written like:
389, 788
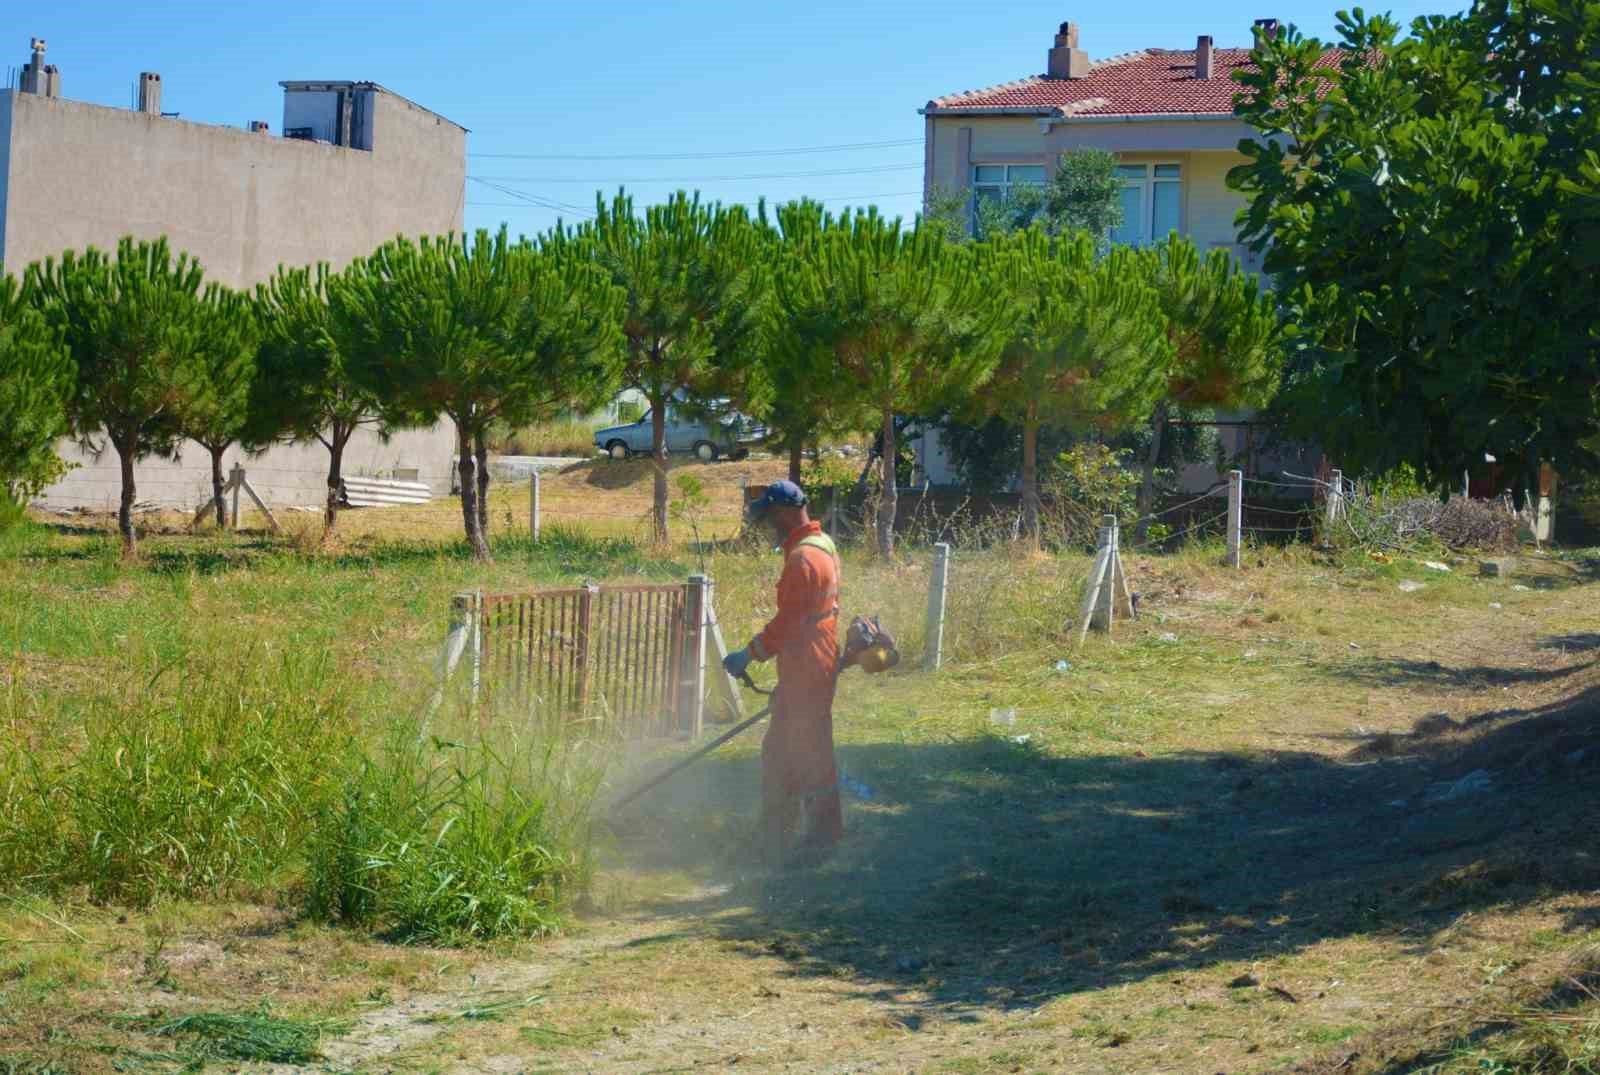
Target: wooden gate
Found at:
631, 656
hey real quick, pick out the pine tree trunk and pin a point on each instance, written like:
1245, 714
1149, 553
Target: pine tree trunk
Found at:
216, 486
338, 437
1147, 486
480, 450
888, 501
658, 457
127, 448
467, 468
1030, 474
797, 449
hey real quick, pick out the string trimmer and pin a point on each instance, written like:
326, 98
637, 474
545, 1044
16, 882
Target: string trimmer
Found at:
867, 646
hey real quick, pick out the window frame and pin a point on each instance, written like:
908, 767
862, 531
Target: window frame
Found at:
1146, 185
1003, 186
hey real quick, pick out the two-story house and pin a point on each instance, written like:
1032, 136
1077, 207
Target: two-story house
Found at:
1166, 113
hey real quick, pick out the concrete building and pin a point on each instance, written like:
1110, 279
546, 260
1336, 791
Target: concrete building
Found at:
356, 165
1168, 116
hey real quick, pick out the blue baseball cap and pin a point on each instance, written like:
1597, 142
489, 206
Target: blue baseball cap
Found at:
784, 494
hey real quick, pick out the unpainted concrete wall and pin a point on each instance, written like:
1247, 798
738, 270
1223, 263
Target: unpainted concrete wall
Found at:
286, 475
82, 174
75, 174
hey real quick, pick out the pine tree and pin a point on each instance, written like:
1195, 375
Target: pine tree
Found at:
1224, 334
800, 405
303, 390
694, 281
131, 326
216, 416
896, 318
478, 333
36, 385
1084, 349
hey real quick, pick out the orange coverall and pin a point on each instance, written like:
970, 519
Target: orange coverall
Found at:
797, 765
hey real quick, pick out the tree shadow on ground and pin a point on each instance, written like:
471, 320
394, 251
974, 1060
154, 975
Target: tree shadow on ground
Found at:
1553, 574
986, 873
1583, 642
1400, 672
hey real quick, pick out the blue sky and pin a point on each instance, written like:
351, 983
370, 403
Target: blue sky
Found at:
567, 80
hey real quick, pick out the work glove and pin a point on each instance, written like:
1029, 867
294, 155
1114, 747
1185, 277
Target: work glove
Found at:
737, 662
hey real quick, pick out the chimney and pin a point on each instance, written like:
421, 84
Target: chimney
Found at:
1268, 28
1067, 60
39, 77
150, 93
260, 126
1203, 55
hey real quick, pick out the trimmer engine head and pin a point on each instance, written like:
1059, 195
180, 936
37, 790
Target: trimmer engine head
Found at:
869, 646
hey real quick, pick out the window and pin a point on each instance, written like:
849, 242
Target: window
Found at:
1152, 200
993, 182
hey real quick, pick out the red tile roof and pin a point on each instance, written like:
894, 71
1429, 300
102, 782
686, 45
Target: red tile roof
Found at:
1148, 82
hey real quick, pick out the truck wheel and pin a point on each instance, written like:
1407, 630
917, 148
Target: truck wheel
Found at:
617, 450
705, 451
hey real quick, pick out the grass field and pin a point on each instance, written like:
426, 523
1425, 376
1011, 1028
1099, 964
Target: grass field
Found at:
1294, 818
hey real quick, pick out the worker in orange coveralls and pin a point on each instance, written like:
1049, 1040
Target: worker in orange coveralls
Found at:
799, 779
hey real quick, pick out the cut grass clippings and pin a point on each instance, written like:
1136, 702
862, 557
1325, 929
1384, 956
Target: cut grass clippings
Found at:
258, 1036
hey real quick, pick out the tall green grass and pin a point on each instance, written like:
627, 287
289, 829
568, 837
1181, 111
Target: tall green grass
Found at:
273, 771
195, 780
445, 841
564, 438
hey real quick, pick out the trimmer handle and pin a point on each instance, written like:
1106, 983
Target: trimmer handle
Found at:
748, 682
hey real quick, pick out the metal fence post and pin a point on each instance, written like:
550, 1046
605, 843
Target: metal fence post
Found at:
697, 604
938, 584
1336, 497
533, 505
1235, 514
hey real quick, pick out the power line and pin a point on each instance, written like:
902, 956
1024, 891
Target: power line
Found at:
839, 148
701, 178
531, 203
534, 199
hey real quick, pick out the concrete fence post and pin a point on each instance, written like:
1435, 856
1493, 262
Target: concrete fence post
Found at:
697, 607
1336, 497
719, 653
477, 644
1235, 515
533, 505
235, 480
456, 640
938, 585
1104, 611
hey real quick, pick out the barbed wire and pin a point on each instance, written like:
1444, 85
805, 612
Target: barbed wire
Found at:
1277, 511
1207, 495
1189, 529
1286, 485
